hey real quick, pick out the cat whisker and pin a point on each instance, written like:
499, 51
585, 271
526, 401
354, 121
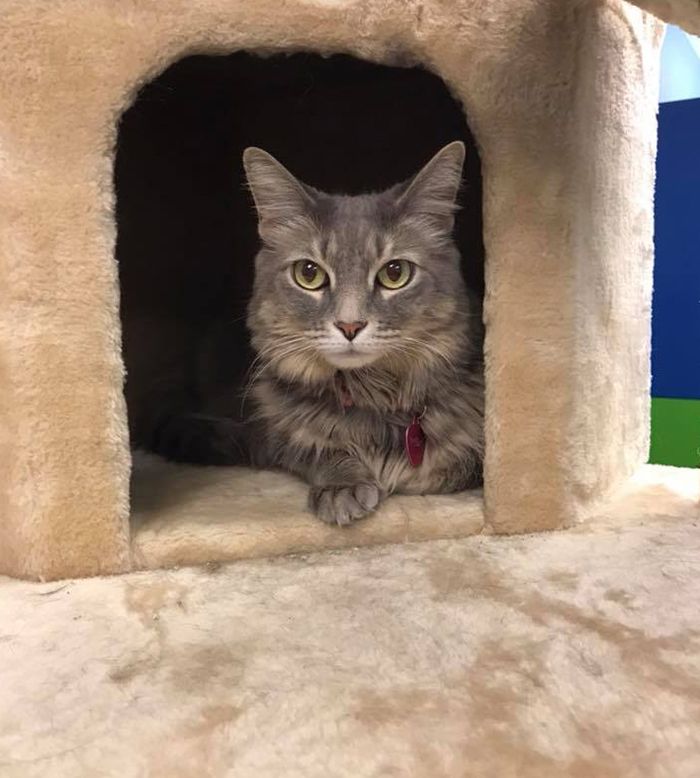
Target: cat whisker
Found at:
267, 356
418, 347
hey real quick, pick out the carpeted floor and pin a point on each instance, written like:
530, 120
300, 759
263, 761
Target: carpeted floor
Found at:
567, 654
185, 515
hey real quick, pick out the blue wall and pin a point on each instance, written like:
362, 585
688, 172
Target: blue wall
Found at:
676, 305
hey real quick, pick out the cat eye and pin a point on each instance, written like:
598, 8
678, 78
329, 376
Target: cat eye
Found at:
309, 275
395, 274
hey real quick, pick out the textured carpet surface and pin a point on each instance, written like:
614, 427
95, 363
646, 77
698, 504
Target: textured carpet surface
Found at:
184, 515
565, 654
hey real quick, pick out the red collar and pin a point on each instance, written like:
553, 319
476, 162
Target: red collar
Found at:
344, 395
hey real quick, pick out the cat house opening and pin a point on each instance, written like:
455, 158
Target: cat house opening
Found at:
186, 227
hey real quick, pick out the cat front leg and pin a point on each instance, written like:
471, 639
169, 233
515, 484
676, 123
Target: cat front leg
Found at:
342, 490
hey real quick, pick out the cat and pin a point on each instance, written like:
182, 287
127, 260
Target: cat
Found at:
368, 374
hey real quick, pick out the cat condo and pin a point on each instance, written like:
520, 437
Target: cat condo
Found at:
561, 100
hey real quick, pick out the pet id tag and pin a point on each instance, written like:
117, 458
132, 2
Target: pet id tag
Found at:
414, 442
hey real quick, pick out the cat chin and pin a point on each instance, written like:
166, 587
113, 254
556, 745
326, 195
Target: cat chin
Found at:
350, 360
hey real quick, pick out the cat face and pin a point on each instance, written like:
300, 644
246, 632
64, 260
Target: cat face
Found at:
346, 282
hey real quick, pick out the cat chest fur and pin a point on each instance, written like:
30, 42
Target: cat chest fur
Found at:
303, 431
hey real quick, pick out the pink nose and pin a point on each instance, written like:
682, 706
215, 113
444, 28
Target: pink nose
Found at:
350, 328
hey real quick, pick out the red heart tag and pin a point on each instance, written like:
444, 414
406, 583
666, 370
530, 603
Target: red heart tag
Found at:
414, 442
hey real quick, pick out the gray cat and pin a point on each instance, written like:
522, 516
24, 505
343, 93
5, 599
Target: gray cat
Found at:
368, 378
368, 373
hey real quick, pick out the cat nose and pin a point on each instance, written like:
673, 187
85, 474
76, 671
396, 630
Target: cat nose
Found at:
350, 328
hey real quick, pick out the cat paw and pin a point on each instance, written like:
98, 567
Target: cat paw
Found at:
341, 505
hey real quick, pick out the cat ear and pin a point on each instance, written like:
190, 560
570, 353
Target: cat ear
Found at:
279, 197
432, 192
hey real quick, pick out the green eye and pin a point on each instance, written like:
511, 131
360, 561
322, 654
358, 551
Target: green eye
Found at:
309, 275
395, 274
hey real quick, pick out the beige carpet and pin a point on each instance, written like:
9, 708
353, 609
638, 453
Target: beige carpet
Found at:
185, 515
568, 654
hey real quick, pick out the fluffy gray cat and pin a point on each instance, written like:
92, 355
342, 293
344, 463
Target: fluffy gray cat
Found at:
368, 374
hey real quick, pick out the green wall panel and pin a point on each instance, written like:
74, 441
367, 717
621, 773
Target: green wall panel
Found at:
675, 432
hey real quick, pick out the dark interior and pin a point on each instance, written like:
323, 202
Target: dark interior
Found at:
186, 227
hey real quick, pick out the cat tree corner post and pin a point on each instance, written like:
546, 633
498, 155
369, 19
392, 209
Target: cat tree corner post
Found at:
569, 239
64, 456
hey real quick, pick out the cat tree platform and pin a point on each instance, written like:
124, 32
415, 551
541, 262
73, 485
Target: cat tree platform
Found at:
562, 100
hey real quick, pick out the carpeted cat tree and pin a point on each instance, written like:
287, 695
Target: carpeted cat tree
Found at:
562, 99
